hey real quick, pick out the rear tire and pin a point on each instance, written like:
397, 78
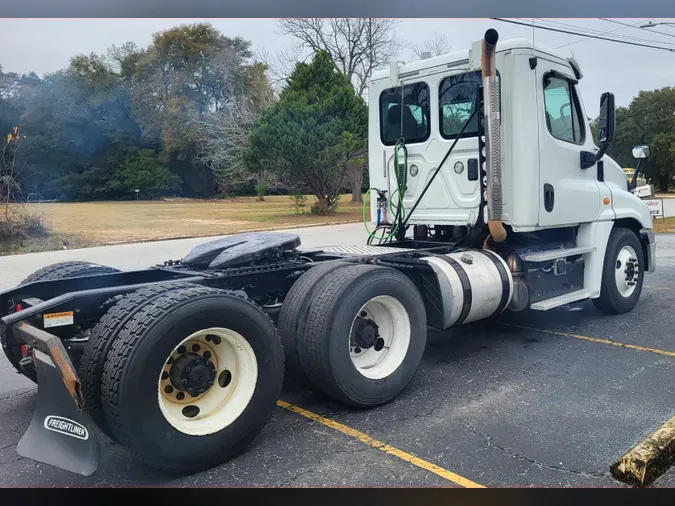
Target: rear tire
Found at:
53, 272
353, 312
64, 270
101, 340
617, 296
294, 311
153, 426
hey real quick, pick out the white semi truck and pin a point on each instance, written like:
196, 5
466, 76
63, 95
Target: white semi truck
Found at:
490, 195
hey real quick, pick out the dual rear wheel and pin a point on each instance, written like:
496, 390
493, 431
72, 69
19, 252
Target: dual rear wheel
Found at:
355, 332
184, 376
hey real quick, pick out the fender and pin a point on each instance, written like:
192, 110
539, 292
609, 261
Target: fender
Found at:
627, 205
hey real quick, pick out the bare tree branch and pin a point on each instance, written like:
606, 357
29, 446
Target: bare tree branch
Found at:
436, 46
357, 46
225, 134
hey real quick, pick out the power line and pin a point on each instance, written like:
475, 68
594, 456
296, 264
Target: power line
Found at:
586, 38
653, 31
672, 50
590, 31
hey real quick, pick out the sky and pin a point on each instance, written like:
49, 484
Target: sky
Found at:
46, 45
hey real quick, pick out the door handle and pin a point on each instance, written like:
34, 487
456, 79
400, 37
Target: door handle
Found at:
549, 197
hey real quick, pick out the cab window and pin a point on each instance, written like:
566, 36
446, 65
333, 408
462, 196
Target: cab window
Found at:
457, 99
404, 112
563, 118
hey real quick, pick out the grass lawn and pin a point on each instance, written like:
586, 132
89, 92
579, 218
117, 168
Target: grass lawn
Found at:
661, 225
98, 223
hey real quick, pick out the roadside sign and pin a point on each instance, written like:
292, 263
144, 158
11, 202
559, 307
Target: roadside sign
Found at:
655, 206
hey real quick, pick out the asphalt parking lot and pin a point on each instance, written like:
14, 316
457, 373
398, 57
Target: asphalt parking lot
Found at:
526, 399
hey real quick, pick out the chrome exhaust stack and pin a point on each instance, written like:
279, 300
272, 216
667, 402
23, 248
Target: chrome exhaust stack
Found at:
493, 158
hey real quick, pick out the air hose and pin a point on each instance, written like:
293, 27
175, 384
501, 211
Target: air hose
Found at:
401, 173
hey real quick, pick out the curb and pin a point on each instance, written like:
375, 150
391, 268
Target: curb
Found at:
641, 465
263, 229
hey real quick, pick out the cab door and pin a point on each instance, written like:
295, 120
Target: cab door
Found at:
569, 194
428, 115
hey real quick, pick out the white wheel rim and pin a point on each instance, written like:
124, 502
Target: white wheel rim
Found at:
236, 375
626, 271
393, 328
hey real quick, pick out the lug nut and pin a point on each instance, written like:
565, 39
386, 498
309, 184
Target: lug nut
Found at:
196, 348
180, 396
181, 349
207, 355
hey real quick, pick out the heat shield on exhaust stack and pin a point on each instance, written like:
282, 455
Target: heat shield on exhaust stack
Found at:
493, 155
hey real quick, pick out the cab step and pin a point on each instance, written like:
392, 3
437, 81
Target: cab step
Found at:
561, 300
554, 254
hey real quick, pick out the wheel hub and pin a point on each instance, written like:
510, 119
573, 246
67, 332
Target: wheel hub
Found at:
192, 373
365, 334
631, 271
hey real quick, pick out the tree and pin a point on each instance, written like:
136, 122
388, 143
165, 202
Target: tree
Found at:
144, 172
225, 133
357, 46
187, 72
648, 119
436, 46
9, 90
9, 170
310, 135
77, 120
16, 222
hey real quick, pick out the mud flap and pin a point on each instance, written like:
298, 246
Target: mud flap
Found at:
60, 433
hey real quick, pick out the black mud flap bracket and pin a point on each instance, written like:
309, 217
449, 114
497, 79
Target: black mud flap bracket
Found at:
60, 433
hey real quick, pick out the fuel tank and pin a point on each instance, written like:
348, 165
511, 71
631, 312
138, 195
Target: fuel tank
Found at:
474, 284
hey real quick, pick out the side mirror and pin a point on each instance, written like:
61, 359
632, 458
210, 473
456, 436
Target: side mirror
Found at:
607, 119
641, 152
606, 126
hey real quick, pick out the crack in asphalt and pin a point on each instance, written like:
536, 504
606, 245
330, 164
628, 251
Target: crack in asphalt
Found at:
491, 443
3, 464
296, 476
14, 394
350, 451
428, 414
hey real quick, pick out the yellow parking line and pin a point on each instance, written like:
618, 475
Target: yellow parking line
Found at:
379, 445
596, 340
658, 287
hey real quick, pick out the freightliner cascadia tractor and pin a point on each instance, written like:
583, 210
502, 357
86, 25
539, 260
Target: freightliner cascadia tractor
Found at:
488, 194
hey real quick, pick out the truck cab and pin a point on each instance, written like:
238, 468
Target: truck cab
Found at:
557, 189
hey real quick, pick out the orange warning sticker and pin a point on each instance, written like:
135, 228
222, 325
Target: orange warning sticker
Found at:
58, 319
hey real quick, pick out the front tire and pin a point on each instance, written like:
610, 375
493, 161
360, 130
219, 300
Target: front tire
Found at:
623, 273
365, 335
227, 397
